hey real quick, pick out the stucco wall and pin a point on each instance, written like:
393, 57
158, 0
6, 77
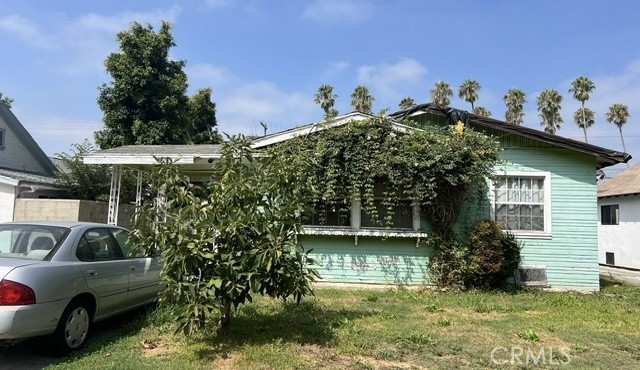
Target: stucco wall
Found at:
69, 210
623, 239
7, 195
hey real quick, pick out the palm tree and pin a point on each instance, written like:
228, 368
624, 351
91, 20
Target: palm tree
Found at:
581, 89
482, 111
407, 102
584, 118
361, 100
326, 98
549, 105
441, 94
5, 99
469, 91
618, 115
515, 100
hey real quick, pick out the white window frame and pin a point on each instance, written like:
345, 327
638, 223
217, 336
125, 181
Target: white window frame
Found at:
546, 176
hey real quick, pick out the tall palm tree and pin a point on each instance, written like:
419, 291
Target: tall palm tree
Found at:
482, 111
514, 100
361, 100
469, 91
581, 89
618, 115
549, 105
441, 94
584, 118
407, 102
327, 99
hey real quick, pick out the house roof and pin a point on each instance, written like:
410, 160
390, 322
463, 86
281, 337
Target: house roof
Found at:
625, 183
605, 157
13, 177
147, 154
23, 135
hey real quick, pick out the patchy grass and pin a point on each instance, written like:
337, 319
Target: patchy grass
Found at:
393, 329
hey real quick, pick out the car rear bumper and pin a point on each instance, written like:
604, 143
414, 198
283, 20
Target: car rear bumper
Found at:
30, 320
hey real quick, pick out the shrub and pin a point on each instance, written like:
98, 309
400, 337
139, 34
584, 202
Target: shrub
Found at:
493, 256
449, 265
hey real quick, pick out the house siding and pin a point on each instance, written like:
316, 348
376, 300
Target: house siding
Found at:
623, 240
15, 155
395, 261
570, 254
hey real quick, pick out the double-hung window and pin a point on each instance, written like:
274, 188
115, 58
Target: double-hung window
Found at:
609, 214
522, 202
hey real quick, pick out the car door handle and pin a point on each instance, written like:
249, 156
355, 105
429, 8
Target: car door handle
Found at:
132, 268
92, 273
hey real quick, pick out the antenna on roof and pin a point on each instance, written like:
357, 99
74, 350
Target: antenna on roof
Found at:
264, 127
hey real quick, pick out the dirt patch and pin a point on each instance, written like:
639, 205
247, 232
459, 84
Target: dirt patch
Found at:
159, 347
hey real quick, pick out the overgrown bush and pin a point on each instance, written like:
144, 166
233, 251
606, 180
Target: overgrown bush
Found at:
485, 259
493, 255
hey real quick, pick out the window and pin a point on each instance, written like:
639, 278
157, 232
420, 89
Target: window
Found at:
2, 135
609, 215
329, 214
402, 212
97, 245
522, 202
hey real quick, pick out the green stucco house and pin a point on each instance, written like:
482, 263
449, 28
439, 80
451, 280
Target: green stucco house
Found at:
543, 191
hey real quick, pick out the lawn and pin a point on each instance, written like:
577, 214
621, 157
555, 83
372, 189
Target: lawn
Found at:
393, 329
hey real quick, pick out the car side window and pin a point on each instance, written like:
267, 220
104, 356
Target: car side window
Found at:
121, 237
97, 245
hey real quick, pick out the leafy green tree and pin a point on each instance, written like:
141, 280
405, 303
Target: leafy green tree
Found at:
237, 238
549, 104
88, 181
407, 102
584, 118
514, 100
441, 94
202, 123
618, 115
5, 99
482, 111
361, 99
581, 88
469, 92
146, 101
327, 99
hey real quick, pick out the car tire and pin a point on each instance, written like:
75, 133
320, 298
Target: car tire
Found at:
73, 328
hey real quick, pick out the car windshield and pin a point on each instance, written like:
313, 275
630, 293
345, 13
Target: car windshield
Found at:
35, 242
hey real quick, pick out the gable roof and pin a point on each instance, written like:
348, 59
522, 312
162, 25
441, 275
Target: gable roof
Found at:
319, 126
605, 157
26, 139
625, 183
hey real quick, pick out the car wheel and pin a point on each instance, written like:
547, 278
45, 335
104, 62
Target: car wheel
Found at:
73, 327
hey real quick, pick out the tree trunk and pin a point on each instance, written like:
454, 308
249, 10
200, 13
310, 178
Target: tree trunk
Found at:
584, 124
624, 148
225, 318
584, 128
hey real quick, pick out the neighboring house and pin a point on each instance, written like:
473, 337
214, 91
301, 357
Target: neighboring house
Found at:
544, 191
619, 216
25, 170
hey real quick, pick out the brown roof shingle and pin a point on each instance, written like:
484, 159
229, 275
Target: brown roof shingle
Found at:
626, 182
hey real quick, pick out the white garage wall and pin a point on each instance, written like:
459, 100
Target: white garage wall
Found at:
624, 239
7, 202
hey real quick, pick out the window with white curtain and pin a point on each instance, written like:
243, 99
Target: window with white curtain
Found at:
522, 202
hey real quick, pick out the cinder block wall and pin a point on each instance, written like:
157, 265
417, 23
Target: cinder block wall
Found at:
69, 210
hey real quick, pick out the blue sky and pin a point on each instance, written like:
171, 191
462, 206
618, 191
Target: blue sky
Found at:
264, 59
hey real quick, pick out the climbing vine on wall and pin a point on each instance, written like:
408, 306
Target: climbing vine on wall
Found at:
435, 167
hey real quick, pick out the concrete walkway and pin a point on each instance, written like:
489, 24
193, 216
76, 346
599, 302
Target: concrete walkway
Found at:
626, 276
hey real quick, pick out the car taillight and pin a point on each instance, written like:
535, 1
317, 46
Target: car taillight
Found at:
15, 294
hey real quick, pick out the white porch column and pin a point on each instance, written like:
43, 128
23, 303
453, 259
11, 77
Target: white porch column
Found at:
114, 194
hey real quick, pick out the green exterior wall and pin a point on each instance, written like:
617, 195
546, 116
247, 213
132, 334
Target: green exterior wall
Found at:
570, 253
374, 260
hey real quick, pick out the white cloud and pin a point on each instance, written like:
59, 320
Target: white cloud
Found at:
81, 43
336, 67
241, 110
209, 75
339, 10
390, 81
217, 4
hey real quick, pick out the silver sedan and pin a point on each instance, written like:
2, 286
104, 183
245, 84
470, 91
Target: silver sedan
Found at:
57, 278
